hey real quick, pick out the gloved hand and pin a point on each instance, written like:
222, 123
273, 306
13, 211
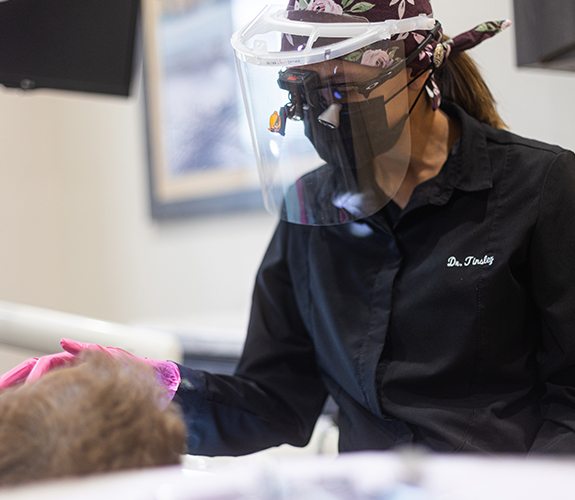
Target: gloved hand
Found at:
34, 368
167, 372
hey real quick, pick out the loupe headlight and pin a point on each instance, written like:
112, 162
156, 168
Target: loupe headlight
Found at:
302, 86
304, 89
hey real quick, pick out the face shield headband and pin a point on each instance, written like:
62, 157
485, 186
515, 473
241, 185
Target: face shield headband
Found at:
254, 43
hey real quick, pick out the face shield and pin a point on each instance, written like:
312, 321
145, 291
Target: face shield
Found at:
328, 111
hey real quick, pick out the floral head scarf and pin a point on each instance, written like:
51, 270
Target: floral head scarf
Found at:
433, 55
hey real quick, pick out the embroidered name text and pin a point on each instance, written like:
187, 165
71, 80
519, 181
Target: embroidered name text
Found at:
470, 260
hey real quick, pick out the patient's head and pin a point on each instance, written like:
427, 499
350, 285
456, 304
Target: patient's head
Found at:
98, 415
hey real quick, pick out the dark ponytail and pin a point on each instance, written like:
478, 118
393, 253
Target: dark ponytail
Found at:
460, 81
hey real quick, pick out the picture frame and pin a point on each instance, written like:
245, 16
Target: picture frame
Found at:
200, 156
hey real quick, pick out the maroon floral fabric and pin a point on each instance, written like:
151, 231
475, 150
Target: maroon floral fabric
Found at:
373, 11
475, 36
434, 53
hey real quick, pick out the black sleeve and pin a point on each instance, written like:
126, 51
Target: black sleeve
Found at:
553, 271
276, 394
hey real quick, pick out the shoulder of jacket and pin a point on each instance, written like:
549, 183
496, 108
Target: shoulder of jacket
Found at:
520, 144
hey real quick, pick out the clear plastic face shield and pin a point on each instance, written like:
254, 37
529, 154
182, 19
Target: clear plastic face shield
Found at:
328, 107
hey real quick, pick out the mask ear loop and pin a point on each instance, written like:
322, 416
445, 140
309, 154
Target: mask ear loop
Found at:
410, 82
424, 87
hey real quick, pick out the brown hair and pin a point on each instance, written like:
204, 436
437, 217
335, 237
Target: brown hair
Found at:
95, 416
460, 81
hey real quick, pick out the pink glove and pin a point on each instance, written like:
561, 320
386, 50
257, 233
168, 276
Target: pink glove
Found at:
167, 371
34, 368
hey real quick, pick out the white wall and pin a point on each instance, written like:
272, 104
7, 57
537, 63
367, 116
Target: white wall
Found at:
75, 229
76, 232
535, 103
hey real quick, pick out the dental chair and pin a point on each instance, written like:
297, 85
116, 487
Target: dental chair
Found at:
27, 331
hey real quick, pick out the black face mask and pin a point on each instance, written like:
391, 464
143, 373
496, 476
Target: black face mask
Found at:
362, 135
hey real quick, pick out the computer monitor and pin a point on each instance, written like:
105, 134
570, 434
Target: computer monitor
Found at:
80, 45
545, 33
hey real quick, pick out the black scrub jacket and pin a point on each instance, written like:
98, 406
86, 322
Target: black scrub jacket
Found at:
450, 324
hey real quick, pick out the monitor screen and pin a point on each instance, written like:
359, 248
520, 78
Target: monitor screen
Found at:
545, 33
82, 45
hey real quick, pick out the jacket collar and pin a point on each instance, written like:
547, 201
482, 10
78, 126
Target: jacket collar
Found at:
468, 167
471, 163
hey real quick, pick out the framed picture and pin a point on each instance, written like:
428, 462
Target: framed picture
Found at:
199, 147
